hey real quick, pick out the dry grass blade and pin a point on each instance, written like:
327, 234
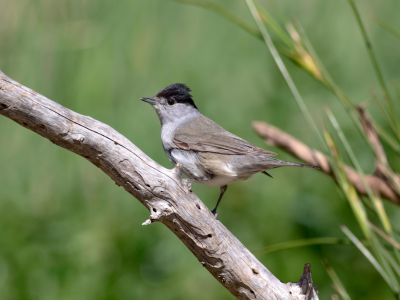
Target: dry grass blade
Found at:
386, 115
303, 57
394, 144
392, 262
380, 155
224, 13
384, 236
275, 27
387, 27
337, 284
302, 243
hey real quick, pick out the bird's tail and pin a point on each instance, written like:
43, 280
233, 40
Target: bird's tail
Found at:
303, 166
272, 163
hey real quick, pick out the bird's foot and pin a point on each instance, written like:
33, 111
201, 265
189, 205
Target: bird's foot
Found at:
187, 183
214, 212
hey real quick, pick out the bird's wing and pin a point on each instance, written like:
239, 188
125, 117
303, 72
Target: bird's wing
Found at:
204, 135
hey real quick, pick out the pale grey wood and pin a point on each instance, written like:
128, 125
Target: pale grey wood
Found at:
160, 190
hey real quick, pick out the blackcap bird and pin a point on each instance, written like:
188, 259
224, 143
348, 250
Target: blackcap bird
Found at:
208, 153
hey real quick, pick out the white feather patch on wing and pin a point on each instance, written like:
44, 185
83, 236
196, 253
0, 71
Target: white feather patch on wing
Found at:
189, 162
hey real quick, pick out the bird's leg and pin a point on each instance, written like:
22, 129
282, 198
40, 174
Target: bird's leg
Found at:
223, 190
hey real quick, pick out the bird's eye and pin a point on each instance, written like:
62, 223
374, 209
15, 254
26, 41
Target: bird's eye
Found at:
171, 102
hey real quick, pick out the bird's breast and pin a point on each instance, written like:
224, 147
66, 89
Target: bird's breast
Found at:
167, 135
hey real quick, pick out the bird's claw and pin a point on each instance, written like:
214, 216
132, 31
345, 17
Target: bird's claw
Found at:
188, 184
214, 212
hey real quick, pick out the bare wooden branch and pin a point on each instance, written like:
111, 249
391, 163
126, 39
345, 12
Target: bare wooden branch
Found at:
276, 137
160, 190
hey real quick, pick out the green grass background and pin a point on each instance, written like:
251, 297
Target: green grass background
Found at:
68, 232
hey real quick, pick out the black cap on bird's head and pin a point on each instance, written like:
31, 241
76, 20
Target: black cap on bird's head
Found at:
174, 93
177, 90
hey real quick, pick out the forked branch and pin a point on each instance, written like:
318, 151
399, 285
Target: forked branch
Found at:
160, 190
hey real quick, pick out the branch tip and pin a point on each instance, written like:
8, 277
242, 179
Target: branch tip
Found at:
306, 283
147, 222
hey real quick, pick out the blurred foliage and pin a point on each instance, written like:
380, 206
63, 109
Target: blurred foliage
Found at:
68, 232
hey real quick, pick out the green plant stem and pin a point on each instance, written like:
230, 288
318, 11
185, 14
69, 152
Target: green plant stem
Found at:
332, 86
345, 100
224, 13
374, 61
389, 239
283, 69
391, 141
281, 33
366, 253
380, 252
389, 28
303, 243
369, 48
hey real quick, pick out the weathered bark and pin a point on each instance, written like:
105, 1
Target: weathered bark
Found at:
160, 190
379, 182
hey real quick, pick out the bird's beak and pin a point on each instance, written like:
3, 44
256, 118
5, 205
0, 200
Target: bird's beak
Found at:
149, 100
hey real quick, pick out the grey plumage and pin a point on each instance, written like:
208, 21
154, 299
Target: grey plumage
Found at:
202, 134
208, 153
